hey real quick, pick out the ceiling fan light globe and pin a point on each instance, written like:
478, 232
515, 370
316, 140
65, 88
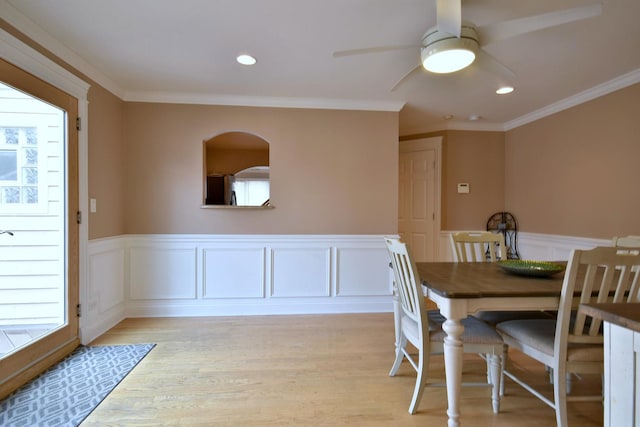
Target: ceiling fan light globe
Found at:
448, 61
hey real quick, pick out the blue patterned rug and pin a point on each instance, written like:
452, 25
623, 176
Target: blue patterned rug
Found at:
65, 394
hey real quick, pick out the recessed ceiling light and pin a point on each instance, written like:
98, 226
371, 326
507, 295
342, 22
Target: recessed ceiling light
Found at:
504, 90
474, 117
246, 59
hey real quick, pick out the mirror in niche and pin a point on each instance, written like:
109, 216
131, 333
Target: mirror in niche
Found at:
236, 170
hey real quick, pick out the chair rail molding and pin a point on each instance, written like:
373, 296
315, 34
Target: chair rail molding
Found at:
534, 246
230, 275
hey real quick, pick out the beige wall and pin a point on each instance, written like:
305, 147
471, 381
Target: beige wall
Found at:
332, 172
106, 163
228, 161
573, 173
476, 158
576, 172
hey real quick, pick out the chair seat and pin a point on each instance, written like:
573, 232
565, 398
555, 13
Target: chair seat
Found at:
475, 331
436, 319
539, 334
494, 317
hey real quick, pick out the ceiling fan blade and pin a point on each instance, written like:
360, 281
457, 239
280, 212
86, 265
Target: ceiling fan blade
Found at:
490, 33
488, 63
376, 49
406, 76
449, 16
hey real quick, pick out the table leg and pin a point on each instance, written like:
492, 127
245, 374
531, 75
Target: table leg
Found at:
453, 355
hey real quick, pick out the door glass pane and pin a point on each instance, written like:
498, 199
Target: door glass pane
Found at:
32, 219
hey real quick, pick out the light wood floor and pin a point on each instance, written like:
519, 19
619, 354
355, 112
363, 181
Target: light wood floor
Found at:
315, 370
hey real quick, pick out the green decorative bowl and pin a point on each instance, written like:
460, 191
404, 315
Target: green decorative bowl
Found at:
531, 268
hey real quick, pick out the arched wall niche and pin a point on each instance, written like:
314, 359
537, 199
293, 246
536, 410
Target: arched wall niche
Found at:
226, 157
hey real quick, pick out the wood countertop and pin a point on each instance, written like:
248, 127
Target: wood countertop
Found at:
626, 315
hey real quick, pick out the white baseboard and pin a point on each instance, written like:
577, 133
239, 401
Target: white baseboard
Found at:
245, 308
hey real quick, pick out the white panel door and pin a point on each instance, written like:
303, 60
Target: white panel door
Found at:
419, 198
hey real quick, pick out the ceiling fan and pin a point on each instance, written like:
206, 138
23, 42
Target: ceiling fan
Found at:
453, 45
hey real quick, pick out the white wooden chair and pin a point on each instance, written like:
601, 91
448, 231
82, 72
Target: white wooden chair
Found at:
485, 246
573, 343
423, 329
474, 246
477, 246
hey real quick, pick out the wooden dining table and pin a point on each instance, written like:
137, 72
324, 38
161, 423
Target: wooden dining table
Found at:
460, 289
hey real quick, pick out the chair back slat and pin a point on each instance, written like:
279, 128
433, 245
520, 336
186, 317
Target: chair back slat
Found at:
604, 290
611, 274
407, 284
623, 286
477, 246
634, 291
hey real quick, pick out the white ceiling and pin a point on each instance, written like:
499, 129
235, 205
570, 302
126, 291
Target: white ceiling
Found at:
184, 51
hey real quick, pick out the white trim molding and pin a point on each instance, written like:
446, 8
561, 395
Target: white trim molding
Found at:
605, 88
264, 101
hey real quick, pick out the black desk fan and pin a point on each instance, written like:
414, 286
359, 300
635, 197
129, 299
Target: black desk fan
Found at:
505, 223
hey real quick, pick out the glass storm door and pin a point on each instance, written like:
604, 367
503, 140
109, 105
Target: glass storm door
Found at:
38, 227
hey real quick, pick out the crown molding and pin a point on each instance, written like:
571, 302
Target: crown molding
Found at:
263, 101
455, 125
23, 56
605, 88
38, 35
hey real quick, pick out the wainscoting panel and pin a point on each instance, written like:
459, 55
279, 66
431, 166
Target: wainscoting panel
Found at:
554, 248
103, 296
228, 275
533, 246
233, 272
103, 268
301, 272
157, 273
359, 271
231, 275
